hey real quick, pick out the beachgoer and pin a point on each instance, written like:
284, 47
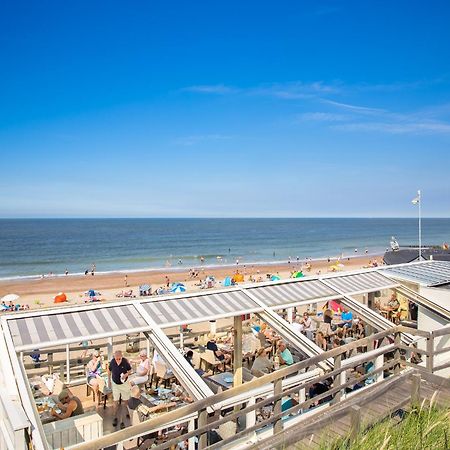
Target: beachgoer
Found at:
68, 404
94, 370
119, 370
142, 370
262, 364
125, 280
86, 272
66, 272
284, 354
221, 356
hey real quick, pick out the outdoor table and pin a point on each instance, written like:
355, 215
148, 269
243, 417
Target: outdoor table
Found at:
47, 403
222, 379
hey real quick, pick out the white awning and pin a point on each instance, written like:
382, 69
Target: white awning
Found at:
178, 311
34, 331
360, 283
292, 293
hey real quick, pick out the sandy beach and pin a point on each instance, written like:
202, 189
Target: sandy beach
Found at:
39, 293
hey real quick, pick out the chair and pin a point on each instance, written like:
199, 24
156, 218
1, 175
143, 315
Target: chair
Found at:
103, 391
162, 373
211, 359
227, 429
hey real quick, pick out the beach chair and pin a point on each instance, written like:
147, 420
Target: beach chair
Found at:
212, 361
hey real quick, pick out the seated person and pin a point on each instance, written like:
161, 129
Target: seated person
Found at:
347, 318
68, 404
319, 388
142, 370
221, 356
392, 306
284, 354
94, 370
145, 412
188, 357
262, 364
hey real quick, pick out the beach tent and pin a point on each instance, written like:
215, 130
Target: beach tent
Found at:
91, 293
238, 278
275, 278
60, 298
227, 282
179, 287
298, 274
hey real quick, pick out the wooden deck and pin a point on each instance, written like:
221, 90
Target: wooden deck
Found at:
373, 404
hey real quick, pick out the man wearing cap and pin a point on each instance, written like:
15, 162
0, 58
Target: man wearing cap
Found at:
119, 370
69, 405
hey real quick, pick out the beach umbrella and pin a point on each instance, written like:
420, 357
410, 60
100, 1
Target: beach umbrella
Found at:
144, 287
10, 298
60, 298
227, 281
91, 293
178, 288
275, 278
298, 274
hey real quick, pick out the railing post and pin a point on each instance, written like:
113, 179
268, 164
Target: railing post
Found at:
202, 421
191, 441
379, 361
355, 421
337, 378
50, 363
430, 351
277, 389
67, 363
397, 342
415, 389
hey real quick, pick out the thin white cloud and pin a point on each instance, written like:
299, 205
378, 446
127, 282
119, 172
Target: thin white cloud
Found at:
323, 117
426, 127
211, 89
288, 91
354, 108
199, 138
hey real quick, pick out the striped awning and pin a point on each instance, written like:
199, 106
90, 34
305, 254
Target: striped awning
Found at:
37, 331
430, 273
360, 283
292, 293
179, 311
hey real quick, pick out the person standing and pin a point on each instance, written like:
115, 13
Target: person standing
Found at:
119, 370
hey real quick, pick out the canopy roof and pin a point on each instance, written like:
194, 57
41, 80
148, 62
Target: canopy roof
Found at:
72, 324
428, 273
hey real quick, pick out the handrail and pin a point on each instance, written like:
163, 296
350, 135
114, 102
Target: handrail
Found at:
178, 414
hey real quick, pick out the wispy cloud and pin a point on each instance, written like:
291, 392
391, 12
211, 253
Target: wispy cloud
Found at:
288, 91
220, 89
426, 127
323, 117
354, 108
199, 138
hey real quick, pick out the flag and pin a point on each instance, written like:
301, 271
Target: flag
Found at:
416, 200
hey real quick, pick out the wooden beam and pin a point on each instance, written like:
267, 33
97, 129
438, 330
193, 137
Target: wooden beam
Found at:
237, 351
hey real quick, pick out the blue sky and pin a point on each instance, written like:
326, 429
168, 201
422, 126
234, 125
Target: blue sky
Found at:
224, 109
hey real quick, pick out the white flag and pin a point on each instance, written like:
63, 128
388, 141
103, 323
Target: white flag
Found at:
416, 200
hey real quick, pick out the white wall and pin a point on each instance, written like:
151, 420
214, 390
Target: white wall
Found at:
428, 321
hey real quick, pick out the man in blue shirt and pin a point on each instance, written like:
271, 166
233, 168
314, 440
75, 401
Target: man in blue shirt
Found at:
285, 355
347, 318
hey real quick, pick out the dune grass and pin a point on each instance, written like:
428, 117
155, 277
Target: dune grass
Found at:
423, 428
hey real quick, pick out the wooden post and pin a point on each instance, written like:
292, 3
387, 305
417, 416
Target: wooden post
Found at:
191, 427
415, 389
250, 417
237, 351
110, 348
67, 363
277, 389
337, 378
355, 421
397, 341
202, 422
50, 363
290, 314
430, 350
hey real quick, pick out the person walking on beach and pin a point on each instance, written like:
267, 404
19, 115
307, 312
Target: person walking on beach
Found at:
125, 279
167, 281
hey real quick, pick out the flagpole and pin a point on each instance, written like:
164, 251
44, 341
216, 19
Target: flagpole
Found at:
420, 224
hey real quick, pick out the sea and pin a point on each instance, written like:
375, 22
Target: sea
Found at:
36, 247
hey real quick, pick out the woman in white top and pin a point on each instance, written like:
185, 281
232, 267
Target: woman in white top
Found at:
142, 370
